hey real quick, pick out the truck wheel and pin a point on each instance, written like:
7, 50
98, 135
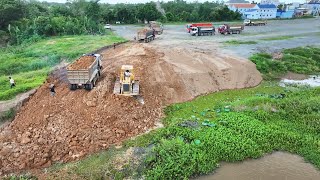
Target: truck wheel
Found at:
73, 87
88, 86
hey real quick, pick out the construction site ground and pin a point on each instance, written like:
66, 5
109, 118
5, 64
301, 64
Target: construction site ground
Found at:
296, 33
73, 124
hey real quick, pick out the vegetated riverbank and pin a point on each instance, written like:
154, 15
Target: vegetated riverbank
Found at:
225, 126
30, 63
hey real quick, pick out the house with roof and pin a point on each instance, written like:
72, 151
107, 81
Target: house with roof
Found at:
255, 11
248, 11
267, 11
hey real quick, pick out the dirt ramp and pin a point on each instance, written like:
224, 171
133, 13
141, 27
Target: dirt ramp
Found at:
76, 123
210, 71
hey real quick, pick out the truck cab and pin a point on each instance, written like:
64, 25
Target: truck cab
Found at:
194, 31
247, 22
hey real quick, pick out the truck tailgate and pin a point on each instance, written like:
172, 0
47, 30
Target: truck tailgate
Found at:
78, 76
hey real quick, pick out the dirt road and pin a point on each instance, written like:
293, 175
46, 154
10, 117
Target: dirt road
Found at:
302, 32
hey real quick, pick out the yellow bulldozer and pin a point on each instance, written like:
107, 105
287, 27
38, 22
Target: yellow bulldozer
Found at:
126, 84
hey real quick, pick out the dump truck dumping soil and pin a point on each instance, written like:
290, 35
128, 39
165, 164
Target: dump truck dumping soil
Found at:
83, 62
73, 124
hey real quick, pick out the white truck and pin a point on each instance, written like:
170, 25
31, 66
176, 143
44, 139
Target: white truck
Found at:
84, 72
202, 31
249, 22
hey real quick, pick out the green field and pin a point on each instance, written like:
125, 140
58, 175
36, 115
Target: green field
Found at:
228, 126
278, 38
235, 42
30, 63
302, 60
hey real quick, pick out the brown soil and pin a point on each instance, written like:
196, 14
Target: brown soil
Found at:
76, 123
83, 62
295, 76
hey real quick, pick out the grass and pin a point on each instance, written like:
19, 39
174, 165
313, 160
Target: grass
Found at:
236, 42
278, 38
302, 60
29, 64
8, 115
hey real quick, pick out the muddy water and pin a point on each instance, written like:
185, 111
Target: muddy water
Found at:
277, 166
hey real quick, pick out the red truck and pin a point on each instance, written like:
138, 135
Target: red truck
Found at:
230, 29
189, 26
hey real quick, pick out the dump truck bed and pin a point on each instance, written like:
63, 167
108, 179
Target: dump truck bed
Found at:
83, 70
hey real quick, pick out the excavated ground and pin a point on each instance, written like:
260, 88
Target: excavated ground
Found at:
76, 123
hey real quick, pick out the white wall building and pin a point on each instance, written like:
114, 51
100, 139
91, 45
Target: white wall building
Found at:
267, 11
314, 7
255, 11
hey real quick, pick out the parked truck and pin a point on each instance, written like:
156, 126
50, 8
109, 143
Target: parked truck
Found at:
156, 26
249, 22
84, 72
189, 26
230, 29
146, 35
202, 31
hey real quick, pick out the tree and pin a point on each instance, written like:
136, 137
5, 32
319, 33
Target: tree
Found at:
93, 10
149, 12
10, 10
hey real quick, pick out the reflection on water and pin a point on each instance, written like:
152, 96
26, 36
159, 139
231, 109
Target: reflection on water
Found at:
276, 166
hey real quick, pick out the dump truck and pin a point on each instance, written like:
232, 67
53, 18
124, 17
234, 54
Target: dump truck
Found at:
202, 31
126, 84
146, 35
156, 26
230, 29
189, 26
249, 22
84, 72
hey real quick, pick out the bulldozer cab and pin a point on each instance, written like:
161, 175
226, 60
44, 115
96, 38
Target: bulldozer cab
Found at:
126, 83
126, 74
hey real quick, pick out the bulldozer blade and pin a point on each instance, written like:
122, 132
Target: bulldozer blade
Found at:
136, 88
117, 87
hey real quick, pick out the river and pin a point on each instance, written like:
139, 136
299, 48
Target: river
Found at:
275, 166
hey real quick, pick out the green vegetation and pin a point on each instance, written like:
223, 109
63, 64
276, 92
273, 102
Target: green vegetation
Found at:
236, 42
278, 38
302, 60
8, 115
30, 63
21, 20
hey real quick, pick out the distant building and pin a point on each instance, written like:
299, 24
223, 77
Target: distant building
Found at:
255, 11
248, 11
314, 7
237, 1
275, 2
267, 11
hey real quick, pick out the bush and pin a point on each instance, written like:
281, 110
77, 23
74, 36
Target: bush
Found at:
298, 60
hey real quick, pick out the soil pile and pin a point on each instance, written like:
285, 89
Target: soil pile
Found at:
73, 124
83, 62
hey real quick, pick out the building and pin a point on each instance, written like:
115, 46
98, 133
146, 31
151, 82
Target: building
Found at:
275, 2
267, 11
287, 12
255, 11
314, 7
248, 11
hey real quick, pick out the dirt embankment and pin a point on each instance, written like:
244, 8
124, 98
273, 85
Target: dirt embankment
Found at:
76, 123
